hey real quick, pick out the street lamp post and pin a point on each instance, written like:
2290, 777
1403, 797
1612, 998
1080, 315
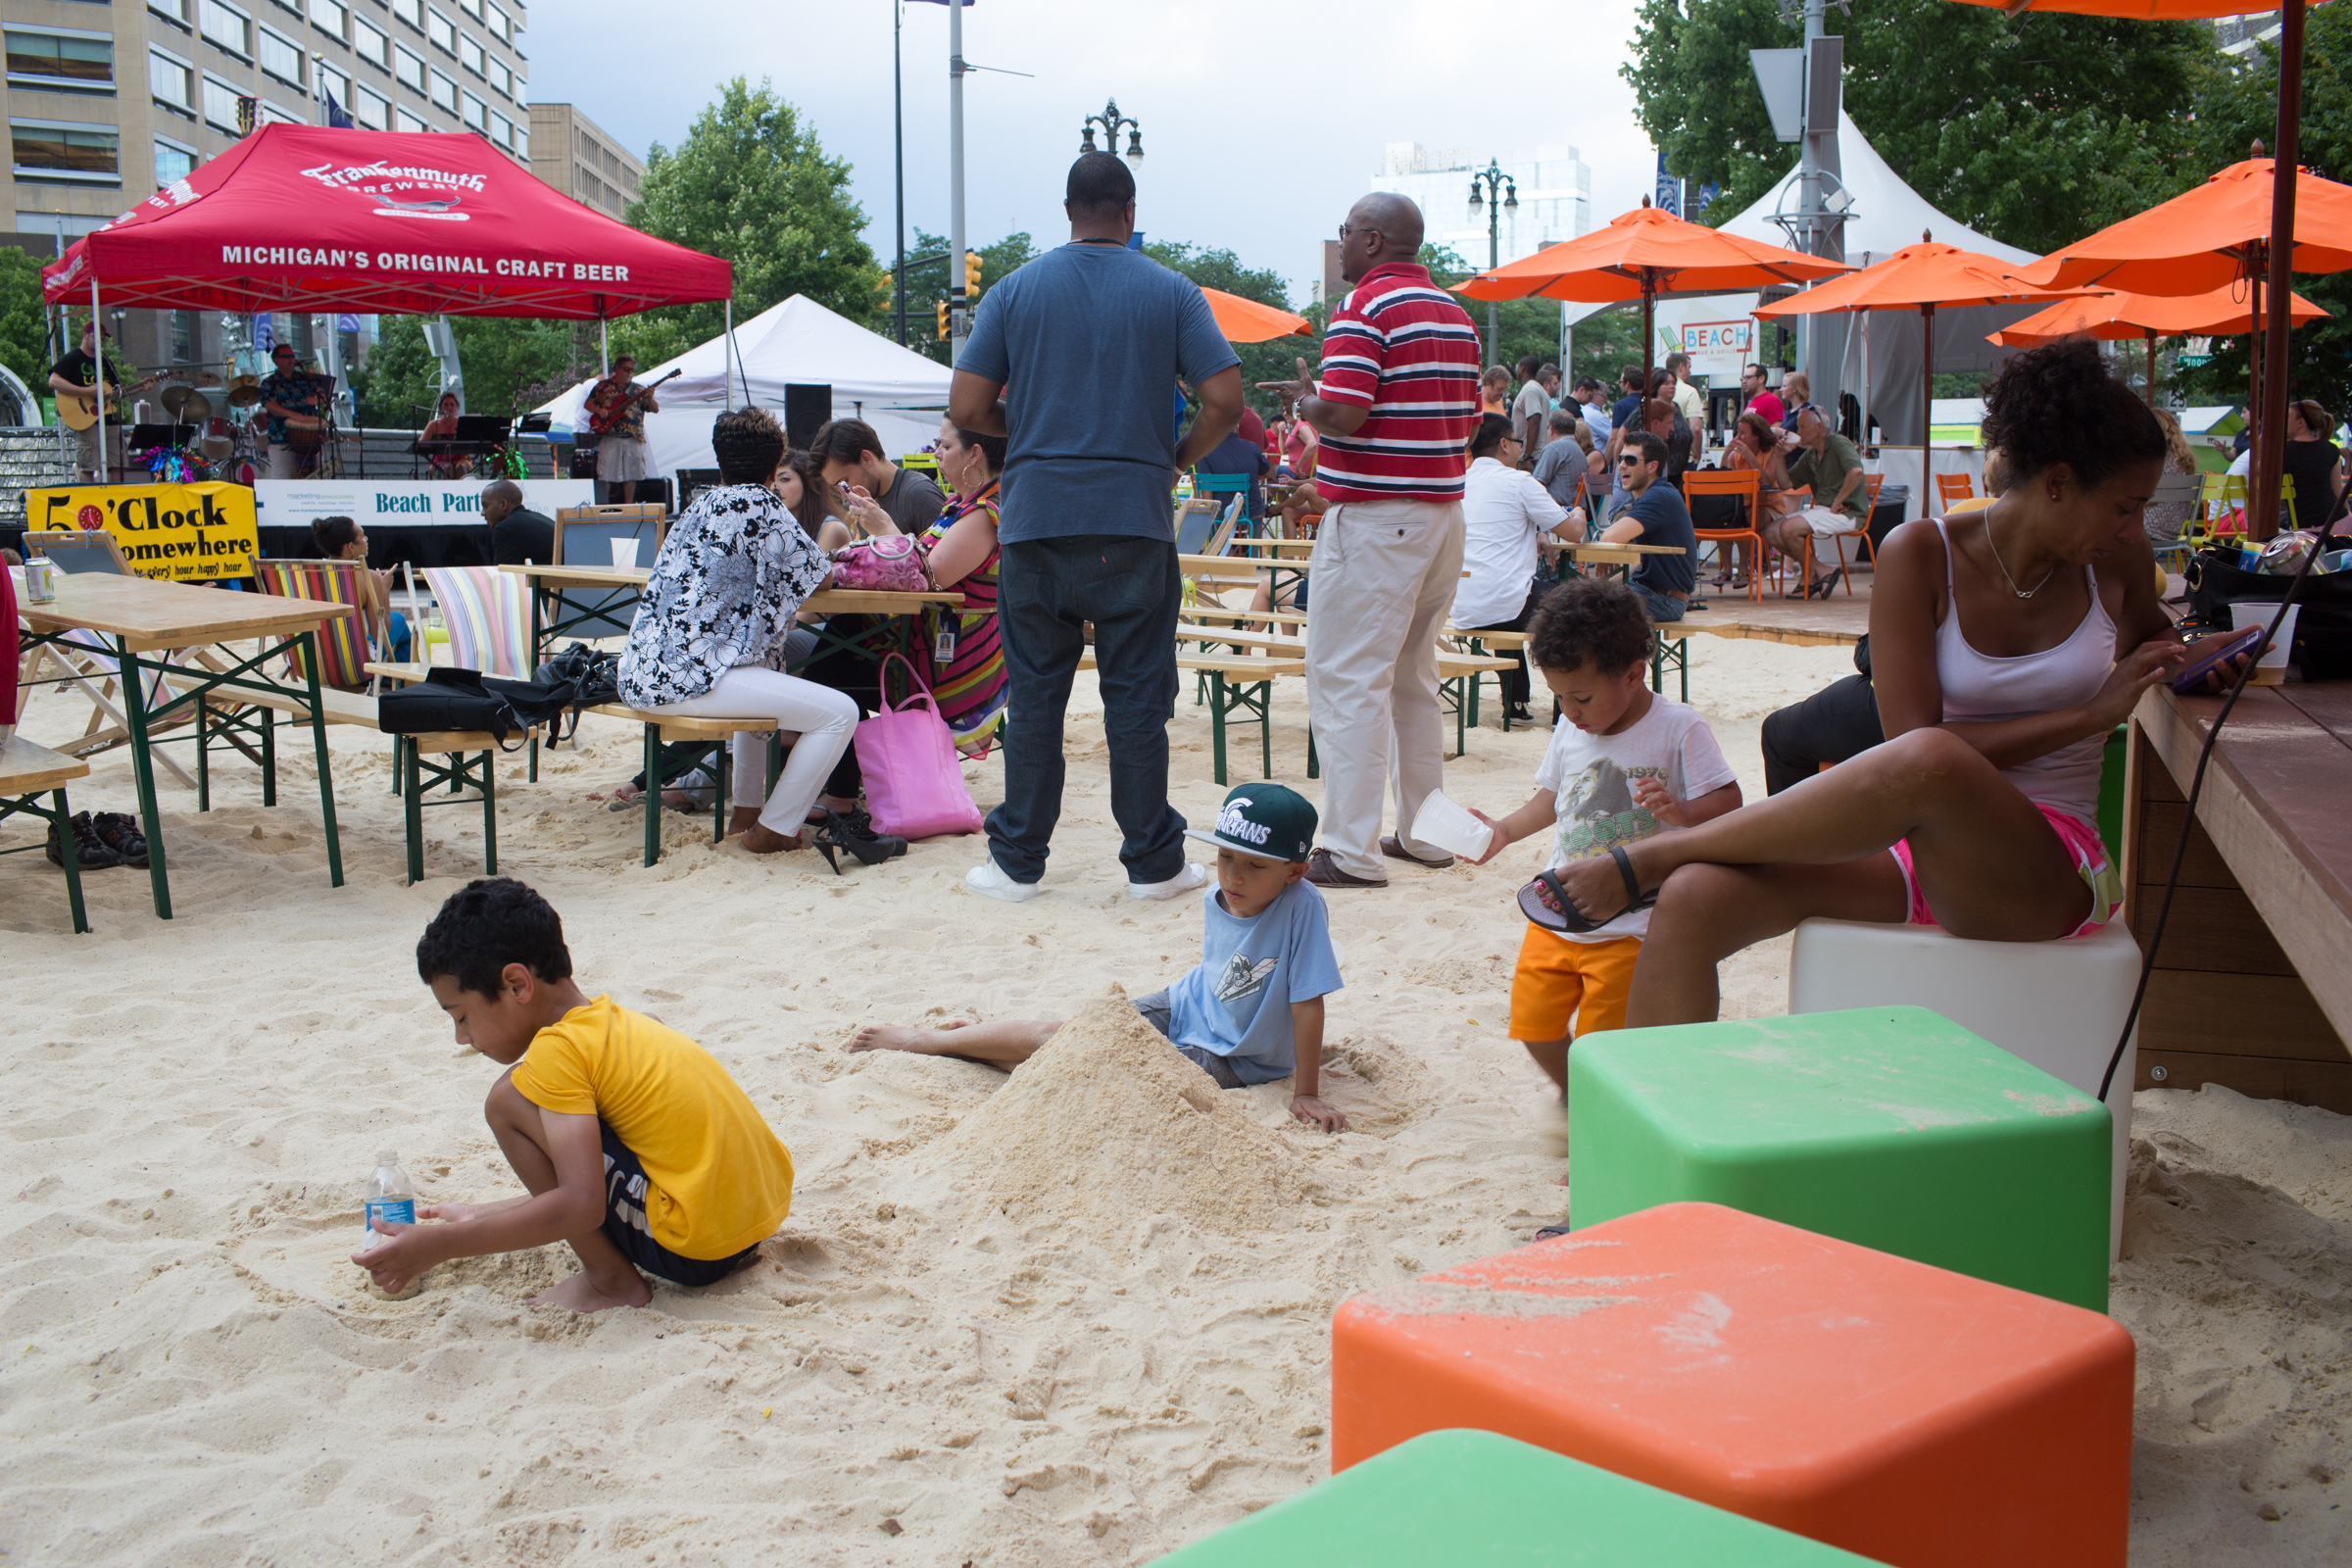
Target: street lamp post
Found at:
1494, 190
1111, 122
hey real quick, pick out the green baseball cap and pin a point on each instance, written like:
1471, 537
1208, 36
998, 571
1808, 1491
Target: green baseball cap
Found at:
1265, 818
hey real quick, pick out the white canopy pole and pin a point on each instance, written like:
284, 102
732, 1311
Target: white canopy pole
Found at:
604, 343
728, 375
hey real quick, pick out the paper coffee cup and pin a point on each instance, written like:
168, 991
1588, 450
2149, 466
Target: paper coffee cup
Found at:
2271, 668
624, 555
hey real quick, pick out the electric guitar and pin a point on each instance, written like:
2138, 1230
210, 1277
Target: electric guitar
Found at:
80, 410
603, 419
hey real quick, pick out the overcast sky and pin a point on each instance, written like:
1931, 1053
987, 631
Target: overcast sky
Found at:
1262, 121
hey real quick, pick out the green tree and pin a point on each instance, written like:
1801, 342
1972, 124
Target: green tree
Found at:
23, 339
751, 183
2035, 130
2241, 106
499, 356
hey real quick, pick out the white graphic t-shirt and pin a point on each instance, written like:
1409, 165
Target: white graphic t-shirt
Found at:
1592, 778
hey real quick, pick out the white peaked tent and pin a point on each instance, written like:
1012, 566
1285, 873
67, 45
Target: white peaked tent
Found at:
893, 389
1887, 215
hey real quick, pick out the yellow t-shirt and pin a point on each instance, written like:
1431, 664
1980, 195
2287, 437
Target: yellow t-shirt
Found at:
719, 1180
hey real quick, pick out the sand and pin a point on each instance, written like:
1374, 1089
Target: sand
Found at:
1016, 1322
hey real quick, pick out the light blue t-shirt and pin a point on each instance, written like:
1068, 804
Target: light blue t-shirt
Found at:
1238, 1002
1088, 341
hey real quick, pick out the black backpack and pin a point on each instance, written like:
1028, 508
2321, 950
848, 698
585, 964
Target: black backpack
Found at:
447, 700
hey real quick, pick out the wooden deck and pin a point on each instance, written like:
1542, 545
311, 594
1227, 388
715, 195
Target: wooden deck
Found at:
2251, 988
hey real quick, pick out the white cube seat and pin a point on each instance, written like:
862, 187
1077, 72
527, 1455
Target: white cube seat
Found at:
2057, 1005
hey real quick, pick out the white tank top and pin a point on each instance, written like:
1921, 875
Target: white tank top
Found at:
1984, 690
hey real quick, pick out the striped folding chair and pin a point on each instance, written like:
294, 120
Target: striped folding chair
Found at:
345, 645
488, 617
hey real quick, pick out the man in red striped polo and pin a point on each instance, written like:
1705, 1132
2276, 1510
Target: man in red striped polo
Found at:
1395, 407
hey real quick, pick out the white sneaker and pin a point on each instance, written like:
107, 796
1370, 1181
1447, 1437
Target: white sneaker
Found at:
1190, 879
988, 879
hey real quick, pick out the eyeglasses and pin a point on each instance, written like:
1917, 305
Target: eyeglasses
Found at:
1346, 231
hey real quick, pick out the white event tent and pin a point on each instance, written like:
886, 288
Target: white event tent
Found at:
797, 343
1886, 215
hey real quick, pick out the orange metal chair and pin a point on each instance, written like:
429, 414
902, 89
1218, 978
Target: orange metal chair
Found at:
1744, 486
1838, 540
1951, 488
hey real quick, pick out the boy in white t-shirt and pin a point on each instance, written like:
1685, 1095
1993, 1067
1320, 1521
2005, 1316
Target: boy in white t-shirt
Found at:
1624, 763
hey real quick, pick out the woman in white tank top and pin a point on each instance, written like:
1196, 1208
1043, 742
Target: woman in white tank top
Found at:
2004, 645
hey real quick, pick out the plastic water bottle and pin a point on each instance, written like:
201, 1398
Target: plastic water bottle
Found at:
391, 1196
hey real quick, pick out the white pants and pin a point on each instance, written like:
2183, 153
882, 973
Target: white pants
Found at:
1384, 575
825, 718
283, 459
1824, 524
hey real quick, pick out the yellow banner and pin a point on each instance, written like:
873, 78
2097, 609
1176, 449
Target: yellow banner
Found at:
183, 532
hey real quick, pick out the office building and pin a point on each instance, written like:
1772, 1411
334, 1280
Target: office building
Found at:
109, 101
1554, 186
571, 152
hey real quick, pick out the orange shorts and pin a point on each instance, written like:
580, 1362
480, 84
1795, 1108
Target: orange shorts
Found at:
1559, 982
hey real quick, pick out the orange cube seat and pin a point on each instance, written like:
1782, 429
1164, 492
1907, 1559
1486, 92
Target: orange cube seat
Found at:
1896, 1410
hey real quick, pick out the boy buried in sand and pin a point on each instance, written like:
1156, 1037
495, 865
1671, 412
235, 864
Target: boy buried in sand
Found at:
1267, 941
638, 1149
1623, 764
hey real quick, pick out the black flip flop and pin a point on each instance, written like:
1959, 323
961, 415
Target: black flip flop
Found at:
1823, 588
1547, 903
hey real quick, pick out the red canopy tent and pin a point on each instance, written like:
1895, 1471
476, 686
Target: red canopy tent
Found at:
302, 218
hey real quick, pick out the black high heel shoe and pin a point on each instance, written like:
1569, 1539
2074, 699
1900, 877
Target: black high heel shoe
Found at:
853, 832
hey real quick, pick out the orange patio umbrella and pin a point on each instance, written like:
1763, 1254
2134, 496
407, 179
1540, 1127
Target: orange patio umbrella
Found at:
1642, 255
1248, 322
2112, 318
1919, 277
2264, 252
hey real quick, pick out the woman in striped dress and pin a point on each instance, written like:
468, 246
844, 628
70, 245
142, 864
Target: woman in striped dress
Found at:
958, 653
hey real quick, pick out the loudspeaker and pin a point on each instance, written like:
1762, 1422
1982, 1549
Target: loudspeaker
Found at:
583, 461
692, 479
650, 491
806, 410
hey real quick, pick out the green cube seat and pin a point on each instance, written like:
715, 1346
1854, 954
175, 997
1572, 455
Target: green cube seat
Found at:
1461, 1497
1890, 1127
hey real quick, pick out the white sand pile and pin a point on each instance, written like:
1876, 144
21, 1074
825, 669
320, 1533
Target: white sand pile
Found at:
1110, 1133
1073, 1317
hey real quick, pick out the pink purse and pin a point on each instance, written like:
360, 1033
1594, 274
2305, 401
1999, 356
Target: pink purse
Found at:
888, 564
913, 780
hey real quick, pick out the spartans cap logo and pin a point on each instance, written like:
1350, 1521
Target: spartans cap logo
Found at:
1233, 824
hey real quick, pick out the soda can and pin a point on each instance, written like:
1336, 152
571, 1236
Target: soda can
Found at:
40, 580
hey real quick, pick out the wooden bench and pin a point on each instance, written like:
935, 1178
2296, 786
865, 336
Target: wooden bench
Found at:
1238, 683
232, 711
661, 727
26, 772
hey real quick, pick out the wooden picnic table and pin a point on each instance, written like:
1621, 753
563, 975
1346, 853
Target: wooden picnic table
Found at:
2251, 988
144, 617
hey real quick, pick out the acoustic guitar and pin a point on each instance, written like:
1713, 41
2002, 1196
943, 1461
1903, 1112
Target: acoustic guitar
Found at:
79, 411
603, 419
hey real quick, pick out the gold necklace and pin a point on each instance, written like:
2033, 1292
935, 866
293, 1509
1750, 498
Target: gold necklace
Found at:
2022, 593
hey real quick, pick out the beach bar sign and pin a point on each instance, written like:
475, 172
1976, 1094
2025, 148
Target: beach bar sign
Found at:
179, 532
1704, 338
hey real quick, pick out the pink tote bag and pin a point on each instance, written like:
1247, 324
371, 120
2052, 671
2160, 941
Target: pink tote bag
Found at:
913, 780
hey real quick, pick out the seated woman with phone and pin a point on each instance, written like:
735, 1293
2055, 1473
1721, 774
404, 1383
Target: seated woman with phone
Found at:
2005, 644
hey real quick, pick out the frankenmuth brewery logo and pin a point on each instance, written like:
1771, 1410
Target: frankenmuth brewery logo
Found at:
403, 190
1232, 825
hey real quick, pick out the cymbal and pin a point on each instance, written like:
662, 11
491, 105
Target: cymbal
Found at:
186, 405
244, 397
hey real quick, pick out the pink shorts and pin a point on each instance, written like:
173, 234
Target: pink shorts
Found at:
2082, 840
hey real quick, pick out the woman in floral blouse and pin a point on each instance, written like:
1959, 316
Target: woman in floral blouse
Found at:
709, 638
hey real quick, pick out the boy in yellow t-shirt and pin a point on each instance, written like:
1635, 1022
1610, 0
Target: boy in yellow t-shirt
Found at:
638, 1149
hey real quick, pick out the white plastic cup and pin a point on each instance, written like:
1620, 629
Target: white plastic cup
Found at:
1441, 822
624, 555
2271, 668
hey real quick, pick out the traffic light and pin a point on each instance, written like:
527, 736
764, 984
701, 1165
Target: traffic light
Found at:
942, 319
971, 273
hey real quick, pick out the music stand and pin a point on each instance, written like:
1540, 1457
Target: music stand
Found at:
145, 437
482, 429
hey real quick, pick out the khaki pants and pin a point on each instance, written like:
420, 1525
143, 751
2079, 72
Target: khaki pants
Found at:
1383, 575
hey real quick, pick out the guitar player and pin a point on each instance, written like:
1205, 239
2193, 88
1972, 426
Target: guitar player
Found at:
71, 378
621, 449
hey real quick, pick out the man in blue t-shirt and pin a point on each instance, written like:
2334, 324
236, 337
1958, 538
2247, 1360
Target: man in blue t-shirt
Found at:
1083, 344
1653, 514
1250, 1012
